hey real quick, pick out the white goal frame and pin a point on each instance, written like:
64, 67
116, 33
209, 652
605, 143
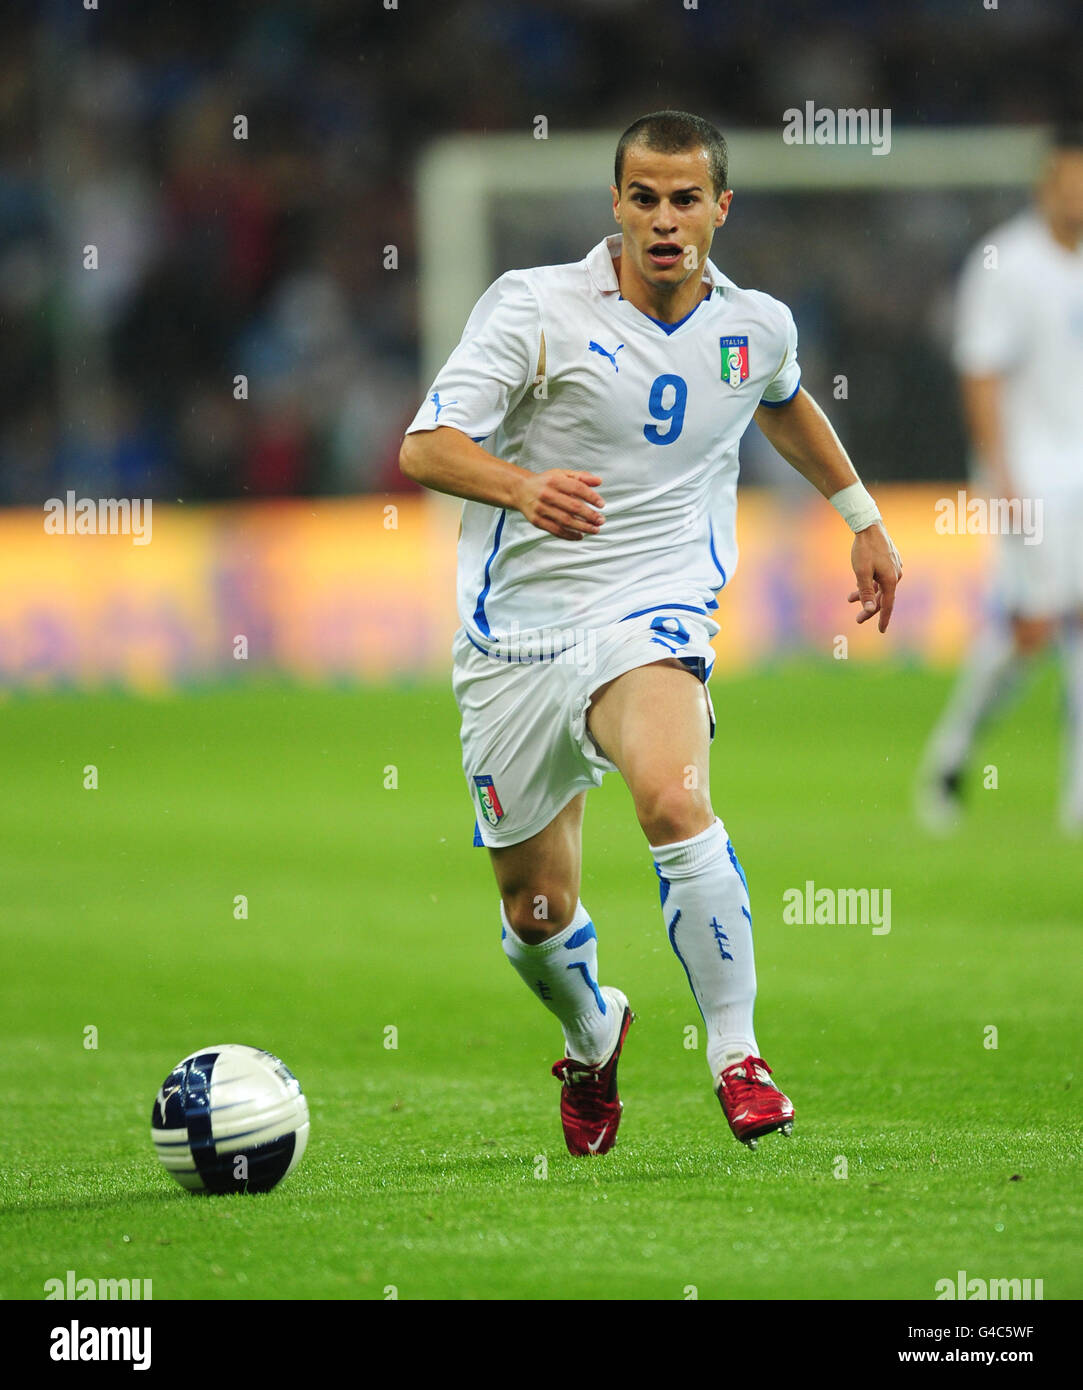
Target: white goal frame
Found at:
457, 177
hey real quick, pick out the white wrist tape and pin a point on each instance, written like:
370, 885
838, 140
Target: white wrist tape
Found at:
855, 506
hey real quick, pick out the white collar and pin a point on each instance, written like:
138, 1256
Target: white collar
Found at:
603, 272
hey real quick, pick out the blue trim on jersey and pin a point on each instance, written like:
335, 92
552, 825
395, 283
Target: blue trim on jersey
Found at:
664, 607
479, 612
775, 404
479, 438
669, 328
714, 555
479, 843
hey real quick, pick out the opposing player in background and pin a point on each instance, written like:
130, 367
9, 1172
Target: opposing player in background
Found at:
1019, 349
598, 526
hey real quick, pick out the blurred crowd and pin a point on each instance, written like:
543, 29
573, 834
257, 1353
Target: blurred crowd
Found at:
240, 334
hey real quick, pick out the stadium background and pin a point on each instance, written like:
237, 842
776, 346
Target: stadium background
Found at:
283, 518
268, 257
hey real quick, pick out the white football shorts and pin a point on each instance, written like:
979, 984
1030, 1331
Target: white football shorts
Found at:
526, 748
1042, 578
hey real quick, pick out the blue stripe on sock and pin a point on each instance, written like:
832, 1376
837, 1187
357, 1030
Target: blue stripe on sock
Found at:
581, 937
736, 863
663, 884
582, 966
673, 943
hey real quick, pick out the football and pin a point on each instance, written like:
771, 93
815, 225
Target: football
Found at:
230, 1118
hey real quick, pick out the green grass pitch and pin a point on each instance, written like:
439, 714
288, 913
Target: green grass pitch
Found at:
437, 1169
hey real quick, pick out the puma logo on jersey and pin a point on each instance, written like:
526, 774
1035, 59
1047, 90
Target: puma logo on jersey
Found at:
597, 347
439, 404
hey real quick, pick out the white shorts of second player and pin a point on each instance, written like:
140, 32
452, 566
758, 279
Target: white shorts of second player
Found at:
526, 748
1042, 579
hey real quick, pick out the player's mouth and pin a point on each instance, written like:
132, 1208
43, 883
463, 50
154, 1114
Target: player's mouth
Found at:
664, 254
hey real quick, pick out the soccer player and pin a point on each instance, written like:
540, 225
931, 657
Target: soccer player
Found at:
590, 416
1019, 349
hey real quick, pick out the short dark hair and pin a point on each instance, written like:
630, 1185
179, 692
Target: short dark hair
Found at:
672, 132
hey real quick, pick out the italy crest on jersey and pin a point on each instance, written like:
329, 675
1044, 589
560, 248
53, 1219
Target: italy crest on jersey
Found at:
734, 360
491, 808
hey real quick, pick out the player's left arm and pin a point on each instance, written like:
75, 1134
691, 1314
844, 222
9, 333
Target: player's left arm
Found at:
802, 434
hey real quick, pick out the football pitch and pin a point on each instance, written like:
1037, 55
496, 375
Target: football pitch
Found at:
934, 1067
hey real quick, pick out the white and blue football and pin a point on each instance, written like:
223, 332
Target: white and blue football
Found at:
230, 1119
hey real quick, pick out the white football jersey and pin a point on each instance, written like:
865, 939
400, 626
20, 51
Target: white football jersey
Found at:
655, 410
1022, 318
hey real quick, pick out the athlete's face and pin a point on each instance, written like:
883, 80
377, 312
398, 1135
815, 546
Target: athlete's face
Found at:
668, 210
1062, 192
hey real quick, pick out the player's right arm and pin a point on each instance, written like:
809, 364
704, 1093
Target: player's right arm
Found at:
500, 356
562, 501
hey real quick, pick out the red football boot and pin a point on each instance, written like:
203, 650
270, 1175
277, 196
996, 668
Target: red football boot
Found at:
589, 1105
751, 1102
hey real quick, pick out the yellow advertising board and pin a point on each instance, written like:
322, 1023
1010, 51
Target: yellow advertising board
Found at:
364, 589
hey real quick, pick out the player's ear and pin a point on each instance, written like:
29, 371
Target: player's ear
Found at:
724, 200
616, 201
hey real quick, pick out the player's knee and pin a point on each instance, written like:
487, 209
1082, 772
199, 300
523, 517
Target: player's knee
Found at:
673, 812
539, 912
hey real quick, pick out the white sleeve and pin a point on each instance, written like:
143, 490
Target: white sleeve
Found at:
783, 385
493, 365
987, 329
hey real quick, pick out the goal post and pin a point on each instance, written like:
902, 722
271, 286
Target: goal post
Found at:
459, 177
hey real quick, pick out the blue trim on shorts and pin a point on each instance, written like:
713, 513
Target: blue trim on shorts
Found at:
665, 607
479, 612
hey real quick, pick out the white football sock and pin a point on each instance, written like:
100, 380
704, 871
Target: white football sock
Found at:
706, 910
563, 973
990, 675
1072, 652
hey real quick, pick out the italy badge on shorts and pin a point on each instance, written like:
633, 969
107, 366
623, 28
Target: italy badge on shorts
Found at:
491, 808
734, 360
